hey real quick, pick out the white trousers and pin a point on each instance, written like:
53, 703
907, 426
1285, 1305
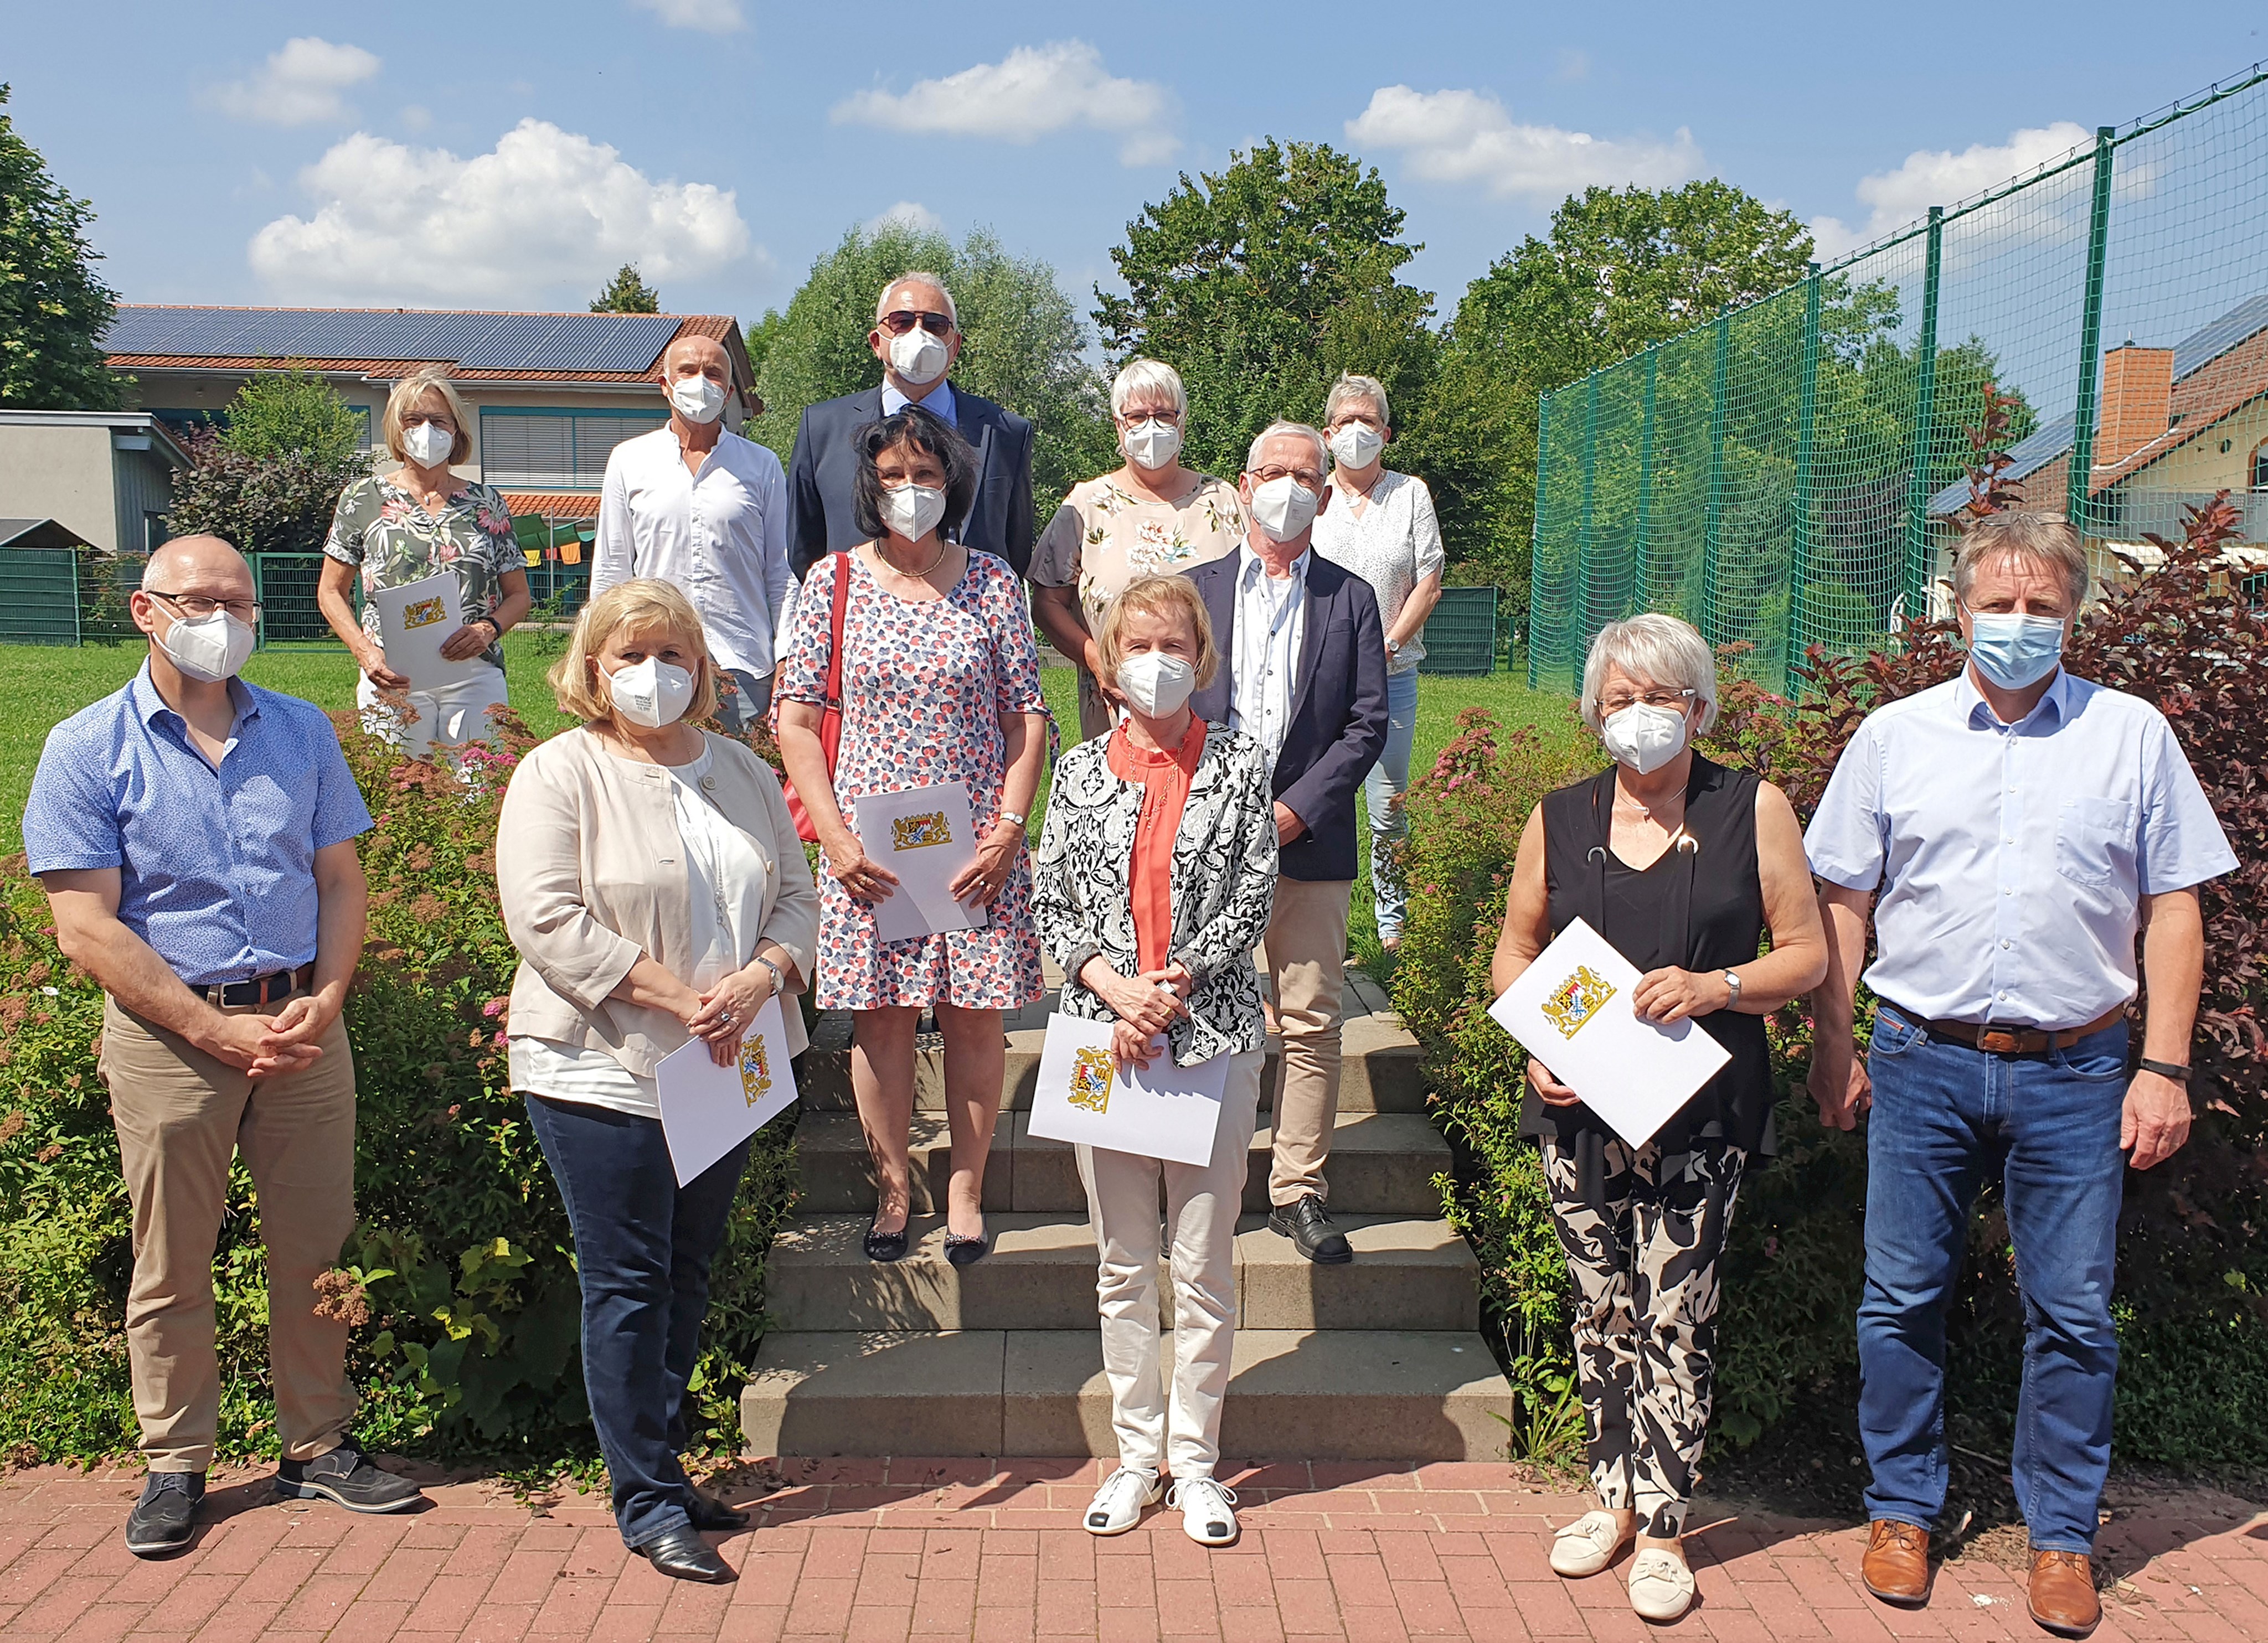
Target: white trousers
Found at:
1178, 1429
447, 717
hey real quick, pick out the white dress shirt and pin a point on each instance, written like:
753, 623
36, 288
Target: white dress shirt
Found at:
1272, 618
720, 536
938, 400
1393, 545
2011, 857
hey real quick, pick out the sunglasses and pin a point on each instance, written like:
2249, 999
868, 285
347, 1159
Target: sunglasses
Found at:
904, 319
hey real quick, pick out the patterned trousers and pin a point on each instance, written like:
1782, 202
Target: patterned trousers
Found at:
1644, 1256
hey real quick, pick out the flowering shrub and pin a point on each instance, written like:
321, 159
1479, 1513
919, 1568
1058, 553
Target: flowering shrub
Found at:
459, 1279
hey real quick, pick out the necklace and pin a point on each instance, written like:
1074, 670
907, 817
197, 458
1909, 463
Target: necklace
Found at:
915, 576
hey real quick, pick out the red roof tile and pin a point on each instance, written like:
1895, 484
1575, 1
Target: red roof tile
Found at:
554, 504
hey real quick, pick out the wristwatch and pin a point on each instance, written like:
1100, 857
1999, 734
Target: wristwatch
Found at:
1734, 982
2166, 1069
779, 981
1012, 819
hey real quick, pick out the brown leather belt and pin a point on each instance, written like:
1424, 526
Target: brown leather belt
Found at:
2013, 1040
273, 988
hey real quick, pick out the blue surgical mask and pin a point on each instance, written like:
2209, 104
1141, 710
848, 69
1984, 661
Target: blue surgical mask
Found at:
2014, 651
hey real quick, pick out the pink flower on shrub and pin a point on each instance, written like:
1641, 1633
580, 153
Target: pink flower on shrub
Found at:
494, 1008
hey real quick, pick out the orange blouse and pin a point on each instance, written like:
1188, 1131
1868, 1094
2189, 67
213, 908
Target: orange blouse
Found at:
1164, 778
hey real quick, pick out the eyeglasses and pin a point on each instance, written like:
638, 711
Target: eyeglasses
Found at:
900, 321
1608, 706
1310, 478
196, 605
1135, 419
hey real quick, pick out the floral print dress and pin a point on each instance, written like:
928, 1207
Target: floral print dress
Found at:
924, 684
381, 527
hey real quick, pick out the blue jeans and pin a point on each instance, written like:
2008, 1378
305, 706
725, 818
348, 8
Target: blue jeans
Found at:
1943, 1114
643, 1246
747, 704
1381, 792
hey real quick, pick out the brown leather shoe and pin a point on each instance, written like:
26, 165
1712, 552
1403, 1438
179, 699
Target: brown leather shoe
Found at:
1896, 1567
2063, 1593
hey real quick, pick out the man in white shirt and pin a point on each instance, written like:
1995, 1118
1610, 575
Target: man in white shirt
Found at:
705, 509
2014, 830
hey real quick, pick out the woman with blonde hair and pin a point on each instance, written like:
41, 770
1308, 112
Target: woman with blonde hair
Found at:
656, 892
414, 523
1155, 880
1148, 517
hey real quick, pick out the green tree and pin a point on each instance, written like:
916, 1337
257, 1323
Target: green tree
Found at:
293, 412
53, 308
1022, 345
627, 294
1260, 284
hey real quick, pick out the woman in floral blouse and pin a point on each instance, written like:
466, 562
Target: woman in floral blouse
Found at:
1148, 518
404, 526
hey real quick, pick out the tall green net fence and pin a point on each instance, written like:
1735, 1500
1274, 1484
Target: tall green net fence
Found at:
1793, 472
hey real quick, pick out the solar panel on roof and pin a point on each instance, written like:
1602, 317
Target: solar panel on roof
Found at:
2201, 348
479, 341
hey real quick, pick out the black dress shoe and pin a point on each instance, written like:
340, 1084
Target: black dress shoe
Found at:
886, 1246
346, 1476
1311, 1231
711, 1514
166, 1517
683, 1555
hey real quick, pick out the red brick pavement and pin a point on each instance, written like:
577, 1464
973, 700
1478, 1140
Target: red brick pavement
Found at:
880, 1551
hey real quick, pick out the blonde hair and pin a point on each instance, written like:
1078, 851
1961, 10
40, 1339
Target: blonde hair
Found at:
1154, 376
2044, 539
407, 393
642, 606
1158, 595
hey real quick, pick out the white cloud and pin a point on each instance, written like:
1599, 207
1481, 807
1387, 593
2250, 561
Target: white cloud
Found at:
710, 16
1467, 136
1942, 177
299, 85
907, 214
546, 211
1033, 92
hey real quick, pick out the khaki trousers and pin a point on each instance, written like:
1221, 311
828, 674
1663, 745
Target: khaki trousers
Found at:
180, 1116
1303, 964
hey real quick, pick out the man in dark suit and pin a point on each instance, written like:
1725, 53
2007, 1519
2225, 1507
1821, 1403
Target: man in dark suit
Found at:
1304, 674
916, 336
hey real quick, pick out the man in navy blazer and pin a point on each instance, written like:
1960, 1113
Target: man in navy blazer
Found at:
1304, 673
916, 336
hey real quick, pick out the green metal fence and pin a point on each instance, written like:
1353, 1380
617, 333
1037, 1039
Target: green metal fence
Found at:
39, 595
1461, 634
1791, 472
65, 597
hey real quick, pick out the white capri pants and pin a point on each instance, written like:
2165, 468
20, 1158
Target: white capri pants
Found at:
447, 717
1177, 1429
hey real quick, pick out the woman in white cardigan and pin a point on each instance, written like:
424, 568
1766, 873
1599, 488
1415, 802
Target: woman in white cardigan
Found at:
651, 879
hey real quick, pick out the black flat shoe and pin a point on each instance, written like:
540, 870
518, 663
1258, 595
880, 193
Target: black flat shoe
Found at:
967, 1251
1311, 1231
886, 1246
683, 1555
711, 1514
164, 1520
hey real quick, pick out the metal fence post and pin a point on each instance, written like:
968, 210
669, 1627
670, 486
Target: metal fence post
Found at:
2079, 489
1582, 636
1924, 416
1535, 533
1802, 541
1712, 531
1643, 592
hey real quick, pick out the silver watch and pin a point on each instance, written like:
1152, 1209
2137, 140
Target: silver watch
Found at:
1734, 982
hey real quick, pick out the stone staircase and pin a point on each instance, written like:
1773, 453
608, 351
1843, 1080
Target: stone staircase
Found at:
1376, 1361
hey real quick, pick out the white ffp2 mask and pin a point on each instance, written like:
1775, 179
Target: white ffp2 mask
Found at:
1284, 508
1644, 736
1156, 684
1151, 443
651, 693
211, 647
913, 511
697, 399
428, 446
917, 356
1356, 445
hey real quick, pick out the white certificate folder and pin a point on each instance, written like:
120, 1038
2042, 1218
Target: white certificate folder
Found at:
708, 1110
1570, 1009
414, 622
925, 836
1158, 1112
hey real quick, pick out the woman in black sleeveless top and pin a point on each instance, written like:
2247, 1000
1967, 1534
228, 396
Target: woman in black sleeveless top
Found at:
1680, 863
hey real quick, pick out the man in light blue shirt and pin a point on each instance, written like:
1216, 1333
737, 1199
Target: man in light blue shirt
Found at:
2014, 830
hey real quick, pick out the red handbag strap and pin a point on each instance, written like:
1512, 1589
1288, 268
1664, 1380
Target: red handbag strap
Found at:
835, 624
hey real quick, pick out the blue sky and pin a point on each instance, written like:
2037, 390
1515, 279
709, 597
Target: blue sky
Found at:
505, 155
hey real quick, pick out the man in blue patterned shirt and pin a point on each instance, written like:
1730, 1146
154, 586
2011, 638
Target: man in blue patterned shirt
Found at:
195, 836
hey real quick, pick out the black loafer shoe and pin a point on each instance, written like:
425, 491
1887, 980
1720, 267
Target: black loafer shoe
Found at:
886, 1246
166, 1517
711, 1514
1311, 1231
683, 1555
966, 1251
346, 1477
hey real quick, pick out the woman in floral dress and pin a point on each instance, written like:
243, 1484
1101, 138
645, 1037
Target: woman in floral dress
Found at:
940, 682
1150, 516
404, 526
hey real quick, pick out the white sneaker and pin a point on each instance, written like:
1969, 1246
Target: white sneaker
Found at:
1208, 1510
1588, 1544
1117, 1506
1660, 1585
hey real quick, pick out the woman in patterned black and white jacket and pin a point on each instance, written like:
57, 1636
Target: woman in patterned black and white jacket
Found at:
1155, 878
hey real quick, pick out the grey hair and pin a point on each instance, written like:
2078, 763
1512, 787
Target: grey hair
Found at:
1137, 374
1349, 387
1657, 650
919, 276
2044, 539
1322, 450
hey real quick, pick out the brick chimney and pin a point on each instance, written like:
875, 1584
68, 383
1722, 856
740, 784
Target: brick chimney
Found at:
2138, 399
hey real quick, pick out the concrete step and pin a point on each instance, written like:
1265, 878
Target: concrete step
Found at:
1294, 1393
1407, 1275
1382, 1163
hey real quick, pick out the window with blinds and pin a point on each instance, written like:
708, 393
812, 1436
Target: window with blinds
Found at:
549, 450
